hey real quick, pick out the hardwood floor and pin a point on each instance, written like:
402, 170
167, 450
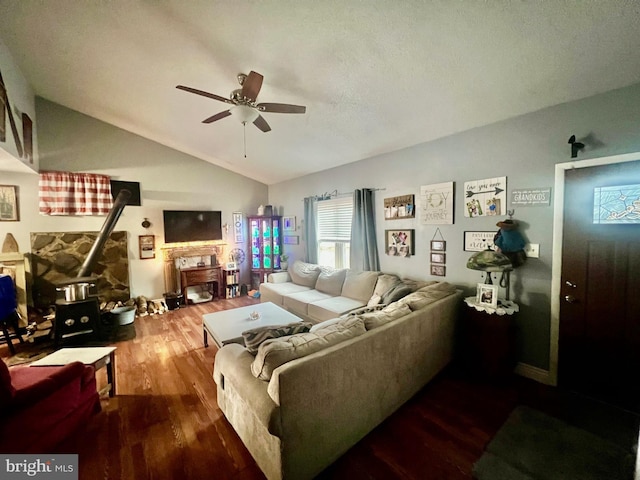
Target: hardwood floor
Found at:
164, 423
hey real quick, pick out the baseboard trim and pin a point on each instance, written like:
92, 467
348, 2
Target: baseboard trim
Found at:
534, 373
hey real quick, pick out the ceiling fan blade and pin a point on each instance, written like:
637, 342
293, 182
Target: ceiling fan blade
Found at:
262, 124
281, 108
205, 94
217, 116
251, 86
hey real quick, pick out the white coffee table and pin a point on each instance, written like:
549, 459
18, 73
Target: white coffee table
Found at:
98, 357
227, 326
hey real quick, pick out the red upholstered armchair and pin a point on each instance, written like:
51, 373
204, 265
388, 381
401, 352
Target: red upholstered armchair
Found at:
41, 406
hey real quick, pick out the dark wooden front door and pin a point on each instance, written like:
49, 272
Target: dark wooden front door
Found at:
599, 346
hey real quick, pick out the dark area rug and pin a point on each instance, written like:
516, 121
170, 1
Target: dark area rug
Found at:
532, 445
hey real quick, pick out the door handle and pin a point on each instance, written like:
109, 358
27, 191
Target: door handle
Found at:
570, 299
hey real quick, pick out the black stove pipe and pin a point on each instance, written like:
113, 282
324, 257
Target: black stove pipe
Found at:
109, 224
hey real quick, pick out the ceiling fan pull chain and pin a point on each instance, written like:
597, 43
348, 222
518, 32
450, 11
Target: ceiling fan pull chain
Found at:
244, 129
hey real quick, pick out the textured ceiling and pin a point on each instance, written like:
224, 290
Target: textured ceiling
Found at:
376, 76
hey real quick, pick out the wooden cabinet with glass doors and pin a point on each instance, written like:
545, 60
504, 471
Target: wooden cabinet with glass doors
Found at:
265, 245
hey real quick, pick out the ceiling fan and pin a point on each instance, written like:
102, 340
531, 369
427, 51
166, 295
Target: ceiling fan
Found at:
244, 102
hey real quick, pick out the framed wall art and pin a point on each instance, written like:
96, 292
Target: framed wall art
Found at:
436, 204
399, 207
478, 241
289, 224
438, 270
399, 243
437, 257
238, 231
9, 203
291, 239
147, 245
438, 245
486, 197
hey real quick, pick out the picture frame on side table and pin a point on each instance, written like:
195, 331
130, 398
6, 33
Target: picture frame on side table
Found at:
9, 203
487, 295
147, 245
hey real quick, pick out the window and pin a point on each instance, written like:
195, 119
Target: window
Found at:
334, 231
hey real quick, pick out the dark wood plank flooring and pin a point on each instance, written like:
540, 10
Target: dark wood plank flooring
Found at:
164, 423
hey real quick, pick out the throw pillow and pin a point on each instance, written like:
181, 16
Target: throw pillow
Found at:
359, 285
396, 293
6, 388
330, 281
305, 274
377, 319
278, 351
253, 338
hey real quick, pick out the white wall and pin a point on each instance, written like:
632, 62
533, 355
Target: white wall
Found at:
70, 141
525, 150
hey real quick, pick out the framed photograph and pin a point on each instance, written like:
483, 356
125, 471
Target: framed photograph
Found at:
147, 246
478, 241
487, 295
9, 203
291, 239
399, 243
438, 245
289, 224
437, 257
438, 270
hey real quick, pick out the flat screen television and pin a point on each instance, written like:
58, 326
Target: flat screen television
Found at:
192, 225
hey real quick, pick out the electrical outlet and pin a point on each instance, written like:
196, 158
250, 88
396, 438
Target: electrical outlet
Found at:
532, 250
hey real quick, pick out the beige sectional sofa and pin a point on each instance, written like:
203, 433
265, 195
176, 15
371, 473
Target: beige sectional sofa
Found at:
316, 293
303, 400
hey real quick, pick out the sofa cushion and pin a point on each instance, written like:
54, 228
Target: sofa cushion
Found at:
359, 285
298, 303
275, 292
330, 281
378, 318
7, 391
255, 336
384, 284
278, 351
332, 307
427, 295
302, 273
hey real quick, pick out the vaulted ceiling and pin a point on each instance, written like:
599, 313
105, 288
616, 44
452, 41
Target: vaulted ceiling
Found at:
375, 76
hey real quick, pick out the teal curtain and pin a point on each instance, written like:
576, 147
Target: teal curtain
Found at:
311, 238
364, 247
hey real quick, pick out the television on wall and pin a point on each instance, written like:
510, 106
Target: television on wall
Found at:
192, 225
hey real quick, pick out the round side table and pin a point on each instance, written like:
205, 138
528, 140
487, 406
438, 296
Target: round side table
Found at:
488, 346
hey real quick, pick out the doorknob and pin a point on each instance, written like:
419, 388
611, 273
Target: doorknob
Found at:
569, 284
570, 299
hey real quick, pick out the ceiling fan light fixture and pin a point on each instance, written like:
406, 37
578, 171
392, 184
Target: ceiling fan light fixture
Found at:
244, 113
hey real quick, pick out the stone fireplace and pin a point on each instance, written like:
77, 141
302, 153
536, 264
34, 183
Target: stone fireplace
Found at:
58, 256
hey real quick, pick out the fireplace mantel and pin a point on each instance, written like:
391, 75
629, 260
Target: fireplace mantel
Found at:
170, 253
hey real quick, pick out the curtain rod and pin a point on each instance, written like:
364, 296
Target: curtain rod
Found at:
335, 193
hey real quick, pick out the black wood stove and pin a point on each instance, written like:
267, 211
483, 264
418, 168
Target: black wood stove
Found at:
77, 318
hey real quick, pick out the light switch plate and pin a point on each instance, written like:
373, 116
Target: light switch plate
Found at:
532, 250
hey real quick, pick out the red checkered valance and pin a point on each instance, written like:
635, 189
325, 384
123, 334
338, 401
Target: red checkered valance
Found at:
67, 193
